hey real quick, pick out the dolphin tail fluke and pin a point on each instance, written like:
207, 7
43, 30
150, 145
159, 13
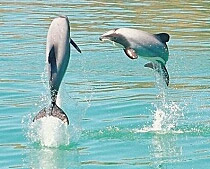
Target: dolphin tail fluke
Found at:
54, 111
41, 114
161, 69
59, 113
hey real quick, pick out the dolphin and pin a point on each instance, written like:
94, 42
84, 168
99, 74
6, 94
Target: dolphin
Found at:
143, 44
57, 59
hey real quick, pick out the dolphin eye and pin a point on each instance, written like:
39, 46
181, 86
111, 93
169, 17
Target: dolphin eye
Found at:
114, 38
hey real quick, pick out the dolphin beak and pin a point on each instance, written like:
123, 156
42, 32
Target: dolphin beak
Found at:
75, 45
104, 38
107, 36
100, 38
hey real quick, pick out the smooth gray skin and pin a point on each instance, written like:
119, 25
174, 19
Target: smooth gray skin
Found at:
143, 44
57, 59
149, 46
58, 52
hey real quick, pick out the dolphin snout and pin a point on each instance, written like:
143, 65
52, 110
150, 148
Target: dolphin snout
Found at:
107, 36
103, 38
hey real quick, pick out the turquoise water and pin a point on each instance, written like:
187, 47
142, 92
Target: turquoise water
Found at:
120, 115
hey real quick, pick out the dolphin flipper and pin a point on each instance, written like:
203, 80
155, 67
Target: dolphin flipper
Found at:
130, 53
156, 67
75, 45
54, 111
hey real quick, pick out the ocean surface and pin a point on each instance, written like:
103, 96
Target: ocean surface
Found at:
121, 117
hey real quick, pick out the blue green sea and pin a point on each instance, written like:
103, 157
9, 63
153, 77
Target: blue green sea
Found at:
121, 116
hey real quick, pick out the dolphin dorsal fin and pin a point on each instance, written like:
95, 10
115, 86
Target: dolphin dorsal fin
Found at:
163, 37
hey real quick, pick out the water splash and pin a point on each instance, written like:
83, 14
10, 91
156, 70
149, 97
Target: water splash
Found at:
166, 117
49, 131
166, 113
158, 120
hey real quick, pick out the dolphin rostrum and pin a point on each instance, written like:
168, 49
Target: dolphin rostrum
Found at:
57, 59
139, 43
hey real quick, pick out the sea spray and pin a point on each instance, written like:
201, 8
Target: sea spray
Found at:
50, 131
166, 113
166, 117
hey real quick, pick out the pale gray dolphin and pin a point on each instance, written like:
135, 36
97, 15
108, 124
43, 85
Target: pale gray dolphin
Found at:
57, 59
139, 43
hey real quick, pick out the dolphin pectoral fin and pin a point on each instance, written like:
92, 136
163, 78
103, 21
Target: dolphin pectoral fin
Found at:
75, 45
162, 72
54, 111
130, 53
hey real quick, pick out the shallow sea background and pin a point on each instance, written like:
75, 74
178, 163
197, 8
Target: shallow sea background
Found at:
120, 115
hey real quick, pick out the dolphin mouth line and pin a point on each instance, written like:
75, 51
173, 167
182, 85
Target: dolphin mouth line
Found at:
103, 39
109, 41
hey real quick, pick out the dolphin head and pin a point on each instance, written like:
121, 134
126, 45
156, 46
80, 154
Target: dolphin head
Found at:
114, 36
62, 22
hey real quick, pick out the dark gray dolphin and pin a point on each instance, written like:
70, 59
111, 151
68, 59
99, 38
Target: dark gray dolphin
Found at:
139, 43
57, 59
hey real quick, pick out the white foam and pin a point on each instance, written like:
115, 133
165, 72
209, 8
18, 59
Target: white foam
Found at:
50, 132
58, 100
166, 113
159, 117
